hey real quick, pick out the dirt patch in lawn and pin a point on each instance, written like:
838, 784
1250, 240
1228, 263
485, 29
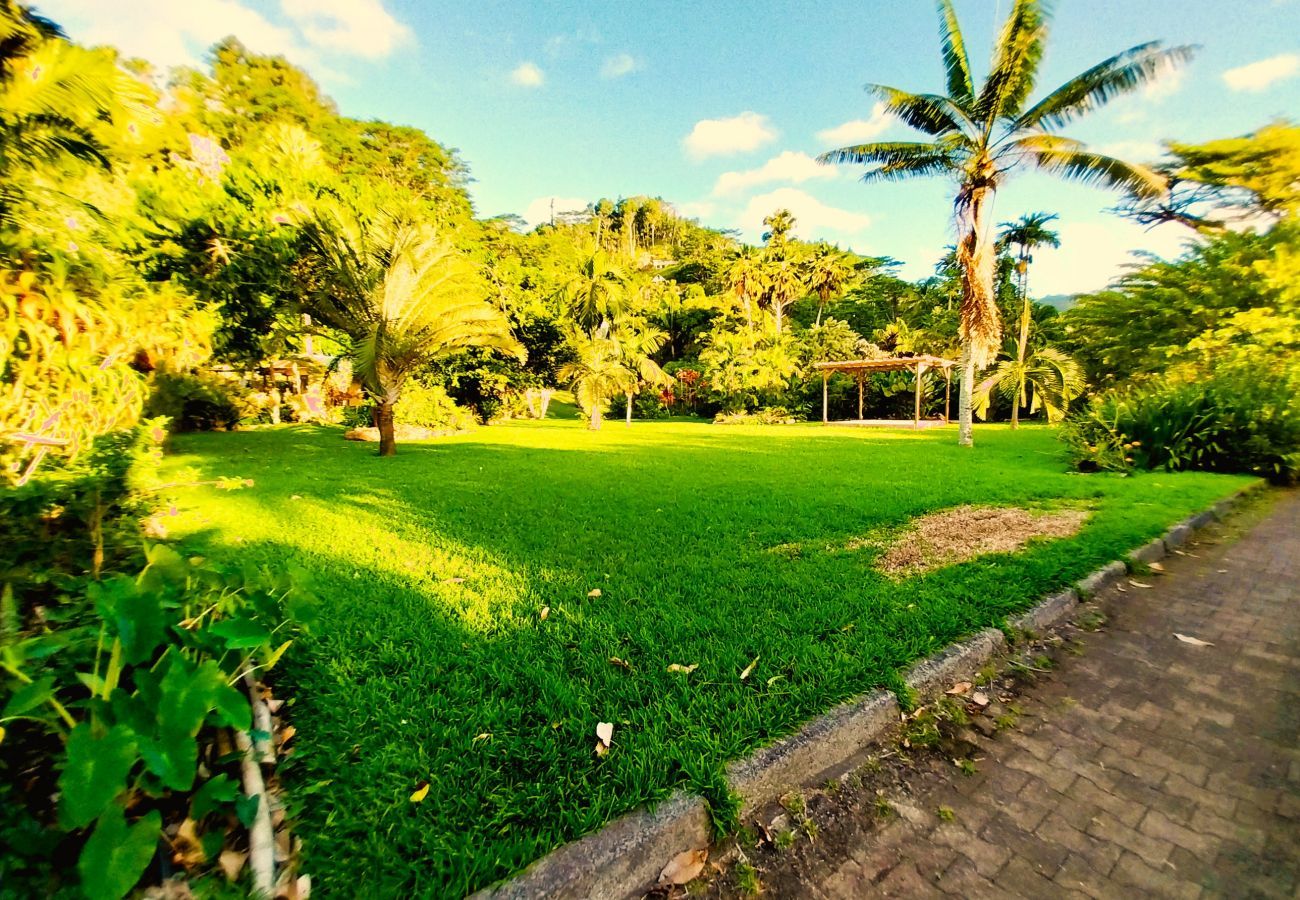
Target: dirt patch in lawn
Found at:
956, 535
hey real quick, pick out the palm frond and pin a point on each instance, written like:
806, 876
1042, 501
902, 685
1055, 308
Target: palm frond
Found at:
931, 113
1121, 74
1096, 168
1016, 57
956, 63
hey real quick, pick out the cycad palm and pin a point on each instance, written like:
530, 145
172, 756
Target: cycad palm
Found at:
53, 95
1047, 378
398, 296
979, 137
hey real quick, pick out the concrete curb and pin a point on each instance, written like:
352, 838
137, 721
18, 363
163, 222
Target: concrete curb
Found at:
827, 747
1049, 612
624, 858
931, 676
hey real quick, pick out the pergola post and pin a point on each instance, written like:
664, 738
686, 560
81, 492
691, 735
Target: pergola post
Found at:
947, 391
859, 396
825, 399
916, 419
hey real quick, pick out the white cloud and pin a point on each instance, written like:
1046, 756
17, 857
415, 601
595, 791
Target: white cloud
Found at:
790, 166
695, 209
858, 131
167, 33
1093, 253
618, 65
1166, 84
813, 218
539, 210
528, 75
1259, 75
354, 27
725, 137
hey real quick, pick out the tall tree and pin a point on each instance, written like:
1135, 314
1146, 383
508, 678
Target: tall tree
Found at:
828, 271
1027, 234
745, 280
598, 294
981, 137
398, 296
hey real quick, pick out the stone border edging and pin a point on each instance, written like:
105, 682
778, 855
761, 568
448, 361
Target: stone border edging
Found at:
624, 858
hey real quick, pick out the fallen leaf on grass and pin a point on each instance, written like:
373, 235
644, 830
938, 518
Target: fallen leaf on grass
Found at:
960, 687
1140, 584
546, 611
749, 668
593, 593
420, 792
485, 736
453, 580
774, 679
685, 866
232, 863
621, 663
604, 736
685, 670
1195, 642
286, 734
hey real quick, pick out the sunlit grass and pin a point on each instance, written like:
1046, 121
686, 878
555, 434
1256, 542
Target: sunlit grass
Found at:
433, 661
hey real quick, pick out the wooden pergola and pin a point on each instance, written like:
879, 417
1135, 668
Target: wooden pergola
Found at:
861, 368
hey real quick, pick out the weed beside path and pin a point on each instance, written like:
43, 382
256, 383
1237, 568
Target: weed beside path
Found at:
464, 642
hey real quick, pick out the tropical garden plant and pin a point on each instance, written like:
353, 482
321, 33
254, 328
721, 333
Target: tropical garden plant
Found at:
981, 136
398, 295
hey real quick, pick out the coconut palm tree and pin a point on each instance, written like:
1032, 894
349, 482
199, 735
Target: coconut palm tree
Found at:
597, 373
779, 225
398, 296
1027, 234
745, 280
598, 294
636, 340
783, 284
827, 272
981, 137
1046, 377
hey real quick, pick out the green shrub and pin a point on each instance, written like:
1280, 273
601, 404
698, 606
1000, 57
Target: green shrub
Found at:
768, 415
193, 402
421, 406
1247, 422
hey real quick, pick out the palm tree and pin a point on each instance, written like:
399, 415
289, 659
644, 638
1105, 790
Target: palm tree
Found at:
398, 296
52, 95
636, 340
1046, 377
1027, 234
779, 225
981, 137
827, 272
597, 373
598, 294
782, 285
745, 280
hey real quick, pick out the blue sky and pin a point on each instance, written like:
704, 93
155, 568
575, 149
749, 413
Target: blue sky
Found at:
717, 106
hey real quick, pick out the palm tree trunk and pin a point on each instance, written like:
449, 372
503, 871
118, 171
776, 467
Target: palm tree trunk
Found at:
629, 410
594, 424
384, 420
1015, 412
965, 437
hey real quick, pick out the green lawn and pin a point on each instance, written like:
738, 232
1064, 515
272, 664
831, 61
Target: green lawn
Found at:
675, 524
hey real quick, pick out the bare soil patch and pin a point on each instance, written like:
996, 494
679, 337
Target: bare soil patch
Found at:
956, 535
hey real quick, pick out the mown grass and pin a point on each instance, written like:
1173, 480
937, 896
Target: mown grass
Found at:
414, 674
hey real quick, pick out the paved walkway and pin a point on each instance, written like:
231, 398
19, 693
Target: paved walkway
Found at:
1145, 766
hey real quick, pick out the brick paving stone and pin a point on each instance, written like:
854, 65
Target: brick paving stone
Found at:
1143, 767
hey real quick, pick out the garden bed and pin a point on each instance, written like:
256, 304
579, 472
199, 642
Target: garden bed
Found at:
478, 591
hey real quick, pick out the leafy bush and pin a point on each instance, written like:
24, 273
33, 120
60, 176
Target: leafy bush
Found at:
116, 697
421, 406
1233, 422
768, 415
193, 402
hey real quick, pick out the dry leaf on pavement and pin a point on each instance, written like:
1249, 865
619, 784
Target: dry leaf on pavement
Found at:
1194, 641
685, 866
960, 687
